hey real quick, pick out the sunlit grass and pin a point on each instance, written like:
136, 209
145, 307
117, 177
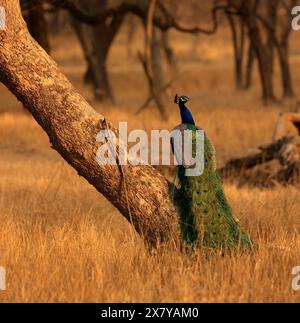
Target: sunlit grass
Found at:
62, 241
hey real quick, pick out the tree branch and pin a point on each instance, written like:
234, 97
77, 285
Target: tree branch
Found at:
163, 19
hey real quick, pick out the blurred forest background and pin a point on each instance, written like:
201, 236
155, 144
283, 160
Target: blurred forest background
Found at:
239, 61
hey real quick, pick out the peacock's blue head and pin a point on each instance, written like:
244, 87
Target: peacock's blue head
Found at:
181, 100
186, 116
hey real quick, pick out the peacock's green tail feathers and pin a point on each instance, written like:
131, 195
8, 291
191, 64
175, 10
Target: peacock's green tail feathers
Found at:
206, 217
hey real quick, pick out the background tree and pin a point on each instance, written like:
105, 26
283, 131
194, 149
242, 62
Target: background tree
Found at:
96, 42
260, 33
103, 20
268, 25
34, 14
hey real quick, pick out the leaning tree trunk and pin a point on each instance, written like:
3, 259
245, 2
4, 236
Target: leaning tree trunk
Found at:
140, 193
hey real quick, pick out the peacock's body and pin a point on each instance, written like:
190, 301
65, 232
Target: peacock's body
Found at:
206, 217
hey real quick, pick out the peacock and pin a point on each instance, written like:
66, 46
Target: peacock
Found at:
206, 217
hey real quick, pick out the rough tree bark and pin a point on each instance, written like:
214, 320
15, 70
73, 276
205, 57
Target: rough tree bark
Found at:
141, 194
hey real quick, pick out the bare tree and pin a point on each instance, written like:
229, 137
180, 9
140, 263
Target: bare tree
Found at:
237, 26
131, 28
96, 42
278, 26
168, 50
151, 61
268, 26
96, 15
261, 48
282, 45
249, 66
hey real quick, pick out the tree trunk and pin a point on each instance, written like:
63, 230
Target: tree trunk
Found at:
131, 29
286, 76
158, 76
37, 23
237, 27
83, 34
96, 42
151, 61
272, 15
283, 51
102, 39
266, 74
169, 53
262, 51
249, 66
265, 62
141, 194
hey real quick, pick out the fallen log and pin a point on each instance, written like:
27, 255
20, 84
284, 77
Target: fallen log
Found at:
277, 162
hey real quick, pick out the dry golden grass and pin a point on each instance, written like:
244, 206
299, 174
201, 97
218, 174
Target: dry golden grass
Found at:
62, 241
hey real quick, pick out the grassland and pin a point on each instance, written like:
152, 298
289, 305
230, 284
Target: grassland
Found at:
62, 241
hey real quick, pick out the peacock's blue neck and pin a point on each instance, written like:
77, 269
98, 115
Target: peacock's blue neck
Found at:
186, 116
